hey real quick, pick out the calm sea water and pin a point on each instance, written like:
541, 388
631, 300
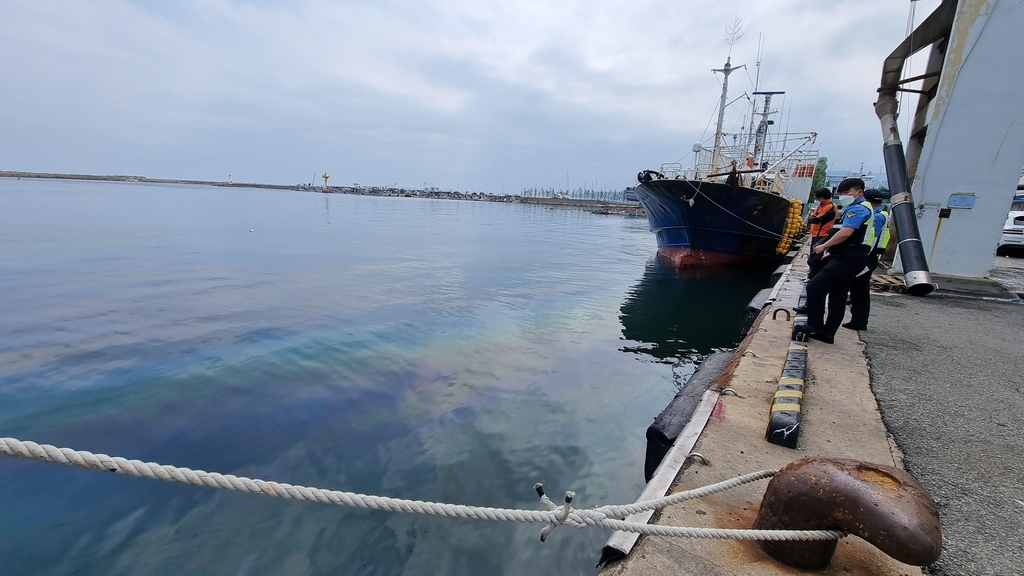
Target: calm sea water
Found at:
436, 350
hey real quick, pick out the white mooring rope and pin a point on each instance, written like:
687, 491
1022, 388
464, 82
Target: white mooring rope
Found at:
607, 517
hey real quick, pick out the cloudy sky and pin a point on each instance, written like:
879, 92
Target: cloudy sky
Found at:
452, 93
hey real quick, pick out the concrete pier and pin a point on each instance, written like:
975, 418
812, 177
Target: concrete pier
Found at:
840, 418
948, 372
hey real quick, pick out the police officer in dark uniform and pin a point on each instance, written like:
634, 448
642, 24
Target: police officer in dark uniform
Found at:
877, 240
844, 255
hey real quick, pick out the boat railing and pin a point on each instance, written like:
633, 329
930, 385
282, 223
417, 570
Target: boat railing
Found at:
792, 154
671, 170
797, 165
773, 183
707, 163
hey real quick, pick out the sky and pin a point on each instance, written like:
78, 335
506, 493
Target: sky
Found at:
470, 95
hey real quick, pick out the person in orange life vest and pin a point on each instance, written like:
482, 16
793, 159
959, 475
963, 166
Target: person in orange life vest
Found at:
822, 217
820, 220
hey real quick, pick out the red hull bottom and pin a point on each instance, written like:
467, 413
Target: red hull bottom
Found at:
696, 258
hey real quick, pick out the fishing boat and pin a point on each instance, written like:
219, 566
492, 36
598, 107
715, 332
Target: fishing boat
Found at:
742, 201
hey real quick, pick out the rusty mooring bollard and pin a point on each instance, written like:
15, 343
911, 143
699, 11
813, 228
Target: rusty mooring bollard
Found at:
881, 504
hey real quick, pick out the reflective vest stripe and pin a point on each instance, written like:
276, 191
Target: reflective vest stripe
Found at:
882, 240
869, 234
885, 232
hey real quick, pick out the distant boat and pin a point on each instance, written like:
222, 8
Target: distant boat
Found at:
740, 203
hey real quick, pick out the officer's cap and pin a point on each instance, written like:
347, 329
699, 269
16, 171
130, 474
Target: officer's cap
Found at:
872, 195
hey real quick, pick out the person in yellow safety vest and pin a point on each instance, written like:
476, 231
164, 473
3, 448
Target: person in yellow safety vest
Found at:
877, 238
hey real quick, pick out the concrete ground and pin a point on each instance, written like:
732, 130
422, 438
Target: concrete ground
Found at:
1009, 271
840, 419
948, 372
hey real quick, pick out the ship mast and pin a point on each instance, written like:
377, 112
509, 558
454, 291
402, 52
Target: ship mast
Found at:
721, 114
728, 69
757, 85
762, 127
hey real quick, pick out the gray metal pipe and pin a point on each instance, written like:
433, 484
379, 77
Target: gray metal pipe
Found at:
915, 265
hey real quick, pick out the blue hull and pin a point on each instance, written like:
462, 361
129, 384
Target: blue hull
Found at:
704, 223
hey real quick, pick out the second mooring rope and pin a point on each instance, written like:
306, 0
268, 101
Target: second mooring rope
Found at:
555, 515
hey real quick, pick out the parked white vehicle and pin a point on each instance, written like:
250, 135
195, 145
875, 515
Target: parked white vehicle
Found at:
1013, 233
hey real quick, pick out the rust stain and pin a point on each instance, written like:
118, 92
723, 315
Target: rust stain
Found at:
842, 515
742, 553
935, 240
967, 16
879, 478
725, 378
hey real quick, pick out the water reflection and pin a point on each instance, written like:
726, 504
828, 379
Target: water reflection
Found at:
678, 315
421, 349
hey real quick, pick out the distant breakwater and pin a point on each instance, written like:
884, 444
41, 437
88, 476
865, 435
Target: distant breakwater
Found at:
120, 178
603, 206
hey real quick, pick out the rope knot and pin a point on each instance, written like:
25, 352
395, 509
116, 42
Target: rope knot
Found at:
564, 514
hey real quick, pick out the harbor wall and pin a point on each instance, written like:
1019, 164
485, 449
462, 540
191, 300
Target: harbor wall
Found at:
840, 420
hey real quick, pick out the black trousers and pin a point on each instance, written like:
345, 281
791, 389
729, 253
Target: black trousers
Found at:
814, 262
832, 281
860, 295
